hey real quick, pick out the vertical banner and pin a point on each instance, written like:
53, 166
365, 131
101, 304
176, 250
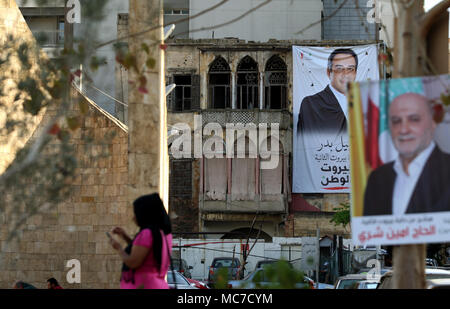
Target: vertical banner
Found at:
400, 160
321, 145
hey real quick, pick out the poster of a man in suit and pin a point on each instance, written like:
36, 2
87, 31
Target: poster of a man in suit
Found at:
321, 147
419, 179
405, 198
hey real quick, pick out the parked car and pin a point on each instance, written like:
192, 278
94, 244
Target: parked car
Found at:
431, 262
386, 281
258, 279
367, 285
366, 271
261, 263
349, 281
436, 284
182, 267
233, 265
198, 284
181, 282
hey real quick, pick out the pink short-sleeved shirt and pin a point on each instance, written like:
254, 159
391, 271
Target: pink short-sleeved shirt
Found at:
149, 275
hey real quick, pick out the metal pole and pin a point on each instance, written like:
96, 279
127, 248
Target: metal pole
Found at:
317, 256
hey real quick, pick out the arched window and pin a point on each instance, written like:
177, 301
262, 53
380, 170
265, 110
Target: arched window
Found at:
276, 83
247, 84
219, 84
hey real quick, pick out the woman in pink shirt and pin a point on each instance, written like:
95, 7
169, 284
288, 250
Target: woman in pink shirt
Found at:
146, 259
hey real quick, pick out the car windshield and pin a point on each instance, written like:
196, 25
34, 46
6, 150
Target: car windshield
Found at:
348, 284
179, 279
225, 263
371, 285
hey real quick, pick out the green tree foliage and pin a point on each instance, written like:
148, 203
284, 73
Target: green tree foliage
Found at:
342, 215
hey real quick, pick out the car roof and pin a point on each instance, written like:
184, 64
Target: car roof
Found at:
353, 276
428, 271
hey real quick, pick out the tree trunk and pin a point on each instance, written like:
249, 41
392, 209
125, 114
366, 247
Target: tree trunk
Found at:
409, 261
147, 118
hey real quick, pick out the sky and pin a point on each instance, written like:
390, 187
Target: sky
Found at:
430, 3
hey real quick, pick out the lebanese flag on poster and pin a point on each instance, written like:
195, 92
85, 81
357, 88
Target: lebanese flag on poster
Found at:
379, 146
369, 136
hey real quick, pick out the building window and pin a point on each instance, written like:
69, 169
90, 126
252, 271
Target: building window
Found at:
215, 179
272, 181
219, 89
186, 95
243, 170
48, 30
247, 84
176, 12
276, 84
182, 93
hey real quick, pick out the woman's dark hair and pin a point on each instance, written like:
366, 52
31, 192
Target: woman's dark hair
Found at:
151, 214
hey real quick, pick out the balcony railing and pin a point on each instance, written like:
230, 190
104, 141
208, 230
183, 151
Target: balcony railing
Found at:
283, 118
49, 38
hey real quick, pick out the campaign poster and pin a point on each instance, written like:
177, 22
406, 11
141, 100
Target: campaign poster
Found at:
400, 161
321, 149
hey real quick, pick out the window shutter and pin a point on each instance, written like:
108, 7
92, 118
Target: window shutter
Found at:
195, 91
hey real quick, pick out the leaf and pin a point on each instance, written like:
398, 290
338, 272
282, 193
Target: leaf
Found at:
439, 113
54, 130
142, 80
63, 135
445, 99
145, 48
143, 90
150, 63
73, 123
130, 62
84, 107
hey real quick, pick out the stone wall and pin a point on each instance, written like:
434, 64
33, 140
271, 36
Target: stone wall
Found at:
304, 224
75, 229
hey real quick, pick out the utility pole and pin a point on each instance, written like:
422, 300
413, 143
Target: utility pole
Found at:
147, 114
412, 27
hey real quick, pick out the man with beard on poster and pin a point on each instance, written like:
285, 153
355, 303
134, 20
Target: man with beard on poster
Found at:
418, 181
325, 112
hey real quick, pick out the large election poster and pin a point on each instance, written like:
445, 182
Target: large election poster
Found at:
400, 161
321, 161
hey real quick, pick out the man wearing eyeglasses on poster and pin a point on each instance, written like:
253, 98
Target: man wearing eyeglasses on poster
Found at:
326, 111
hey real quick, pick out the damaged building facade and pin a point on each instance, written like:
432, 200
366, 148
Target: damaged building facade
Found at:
224, 79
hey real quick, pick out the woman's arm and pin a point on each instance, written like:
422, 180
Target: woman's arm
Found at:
135, 258
121, 232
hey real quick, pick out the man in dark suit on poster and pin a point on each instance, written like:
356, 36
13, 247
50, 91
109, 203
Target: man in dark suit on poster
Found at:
418, 181
325, 112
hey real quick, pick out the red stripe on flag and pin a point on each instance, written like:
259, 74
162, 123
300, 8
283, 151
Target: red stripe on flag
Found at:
373, 128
